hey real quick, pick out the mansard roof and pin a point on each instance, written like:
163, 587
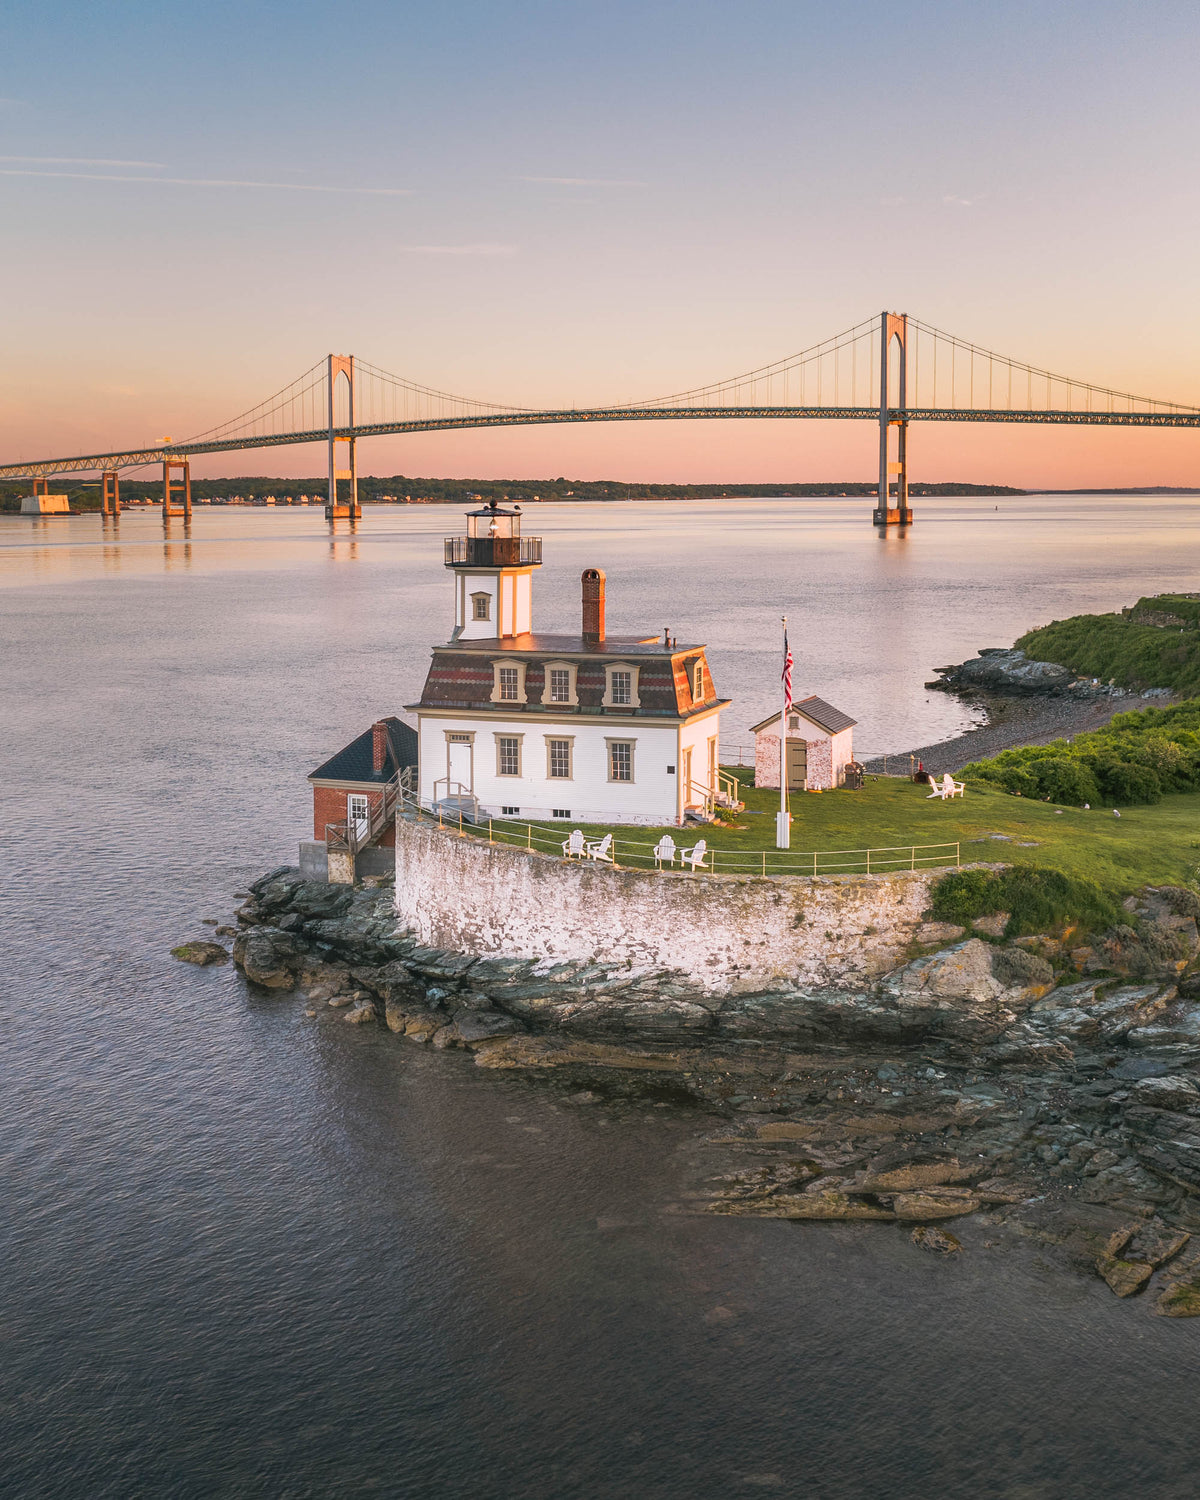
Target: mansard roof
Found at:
461, 677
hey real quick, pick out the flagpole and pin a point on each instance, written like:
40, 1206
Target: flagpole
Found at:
783, 822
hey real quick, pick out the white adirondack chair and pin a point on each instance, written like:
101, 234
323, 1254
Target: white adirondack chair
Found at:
573, 848
664, 851
695, 855
601, 849
952, 788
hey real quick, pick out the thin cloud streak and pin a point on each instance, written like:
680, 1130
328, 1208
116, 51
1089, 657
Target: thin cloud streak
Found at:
84, 161
483, 249
584, 181
209, 182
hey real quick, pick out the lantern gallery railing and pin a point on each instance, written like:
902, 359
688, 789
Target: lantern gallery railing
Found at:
493, 551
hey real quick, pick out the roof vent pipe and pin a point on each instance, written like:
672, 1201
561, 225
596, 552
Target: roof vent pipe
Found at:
593, 606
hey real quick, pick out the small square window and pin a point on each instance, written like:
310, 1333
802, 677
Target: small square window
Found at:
620, 760
620, 687
561, 812
560, 685
510, 684
508, 755
510, 812
670, 770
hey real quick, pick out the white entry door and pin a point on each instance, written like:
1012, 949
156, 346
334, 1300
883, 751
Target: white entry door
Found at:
460, 765
358, 814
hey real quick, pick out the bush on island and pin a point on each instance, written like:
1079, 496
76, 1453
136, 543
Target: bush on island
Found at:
1037, 900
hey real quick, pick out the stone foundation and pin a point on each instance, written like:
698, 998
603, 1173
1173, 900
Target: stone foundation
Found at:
726, 934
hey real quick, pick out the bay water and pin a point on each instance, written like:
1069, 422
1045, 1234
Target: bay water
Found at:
250, 1253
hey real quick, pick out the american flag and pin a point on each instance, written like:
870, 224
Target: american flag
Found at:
787, 674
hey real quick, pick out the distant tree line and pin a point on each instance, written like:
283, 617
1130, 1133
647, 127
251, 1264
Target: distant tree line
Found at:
401, 489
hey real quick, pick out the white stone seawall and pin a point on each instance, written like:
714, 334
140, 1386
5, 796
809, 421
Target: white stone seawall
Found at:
728, 934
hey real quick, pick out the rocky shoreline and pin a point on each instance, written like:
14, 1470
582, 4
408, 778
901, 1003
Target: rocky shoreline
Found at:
1052, 1091
1025, 703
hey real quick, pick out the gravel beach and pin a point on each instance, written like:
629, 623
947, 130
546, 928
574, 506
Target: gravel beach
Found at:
1015, 721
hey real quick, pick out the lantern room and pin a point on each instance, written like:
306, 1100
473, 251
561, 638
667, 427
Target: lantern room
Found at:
493, 575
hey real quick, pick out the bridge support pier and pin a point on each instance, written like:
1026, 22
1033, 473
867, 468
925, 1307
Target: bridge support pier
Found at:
337, 506
893, 509
173, 487
110, 493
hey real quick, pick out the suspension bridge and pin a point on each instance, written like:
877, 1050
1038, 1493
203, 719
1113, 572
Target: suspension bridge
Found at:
891, 370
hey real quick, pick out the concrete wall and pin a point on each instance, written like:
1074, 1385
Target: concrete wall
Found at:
728, 933
45, 505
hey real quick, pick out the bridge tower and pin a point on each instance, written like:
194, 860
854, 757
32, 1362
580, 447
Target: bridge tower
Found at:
893, 510
339, 365
177, 490
110, 492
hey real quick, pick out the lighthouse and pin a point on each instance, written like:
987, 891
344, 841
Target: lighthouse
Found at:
594, 728
493, 575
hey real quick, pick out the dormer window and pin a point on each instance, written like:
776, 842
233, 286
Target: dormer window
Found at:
481, 606
698, 694
508, 682
621, 686
560, 683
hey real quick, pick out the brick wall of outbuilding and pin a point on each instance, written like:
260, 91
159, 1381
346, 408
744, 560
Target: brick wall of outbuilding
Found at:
329, 806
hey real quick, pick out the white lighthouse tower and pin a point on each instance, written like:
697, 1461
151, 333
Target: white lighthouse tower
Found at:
583, 726
493, 575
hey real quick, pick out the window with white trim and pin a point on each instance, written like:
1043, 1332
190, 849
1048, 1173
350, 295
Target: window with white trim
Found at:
508, 682
558, 759
698, 682
560, 685
620, 760
621, 685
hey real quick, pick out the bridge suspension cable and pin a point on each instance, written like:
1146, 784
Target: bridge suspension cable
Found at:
842, 371
949, 373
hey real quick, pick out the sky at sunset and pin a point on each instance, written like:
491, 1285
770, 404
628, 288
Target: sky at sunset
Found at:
549, 204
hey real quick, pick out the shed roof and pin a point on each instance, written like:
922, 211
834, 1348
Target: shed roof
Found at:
354, 762
823, 715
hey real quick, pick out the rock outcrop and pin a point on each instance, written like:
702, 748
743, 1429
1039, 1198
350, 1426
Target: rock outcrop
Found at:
1003, 670
1057, 1095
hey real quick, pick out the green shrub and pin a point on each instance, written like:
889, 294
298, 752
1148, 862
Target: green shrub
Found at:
1062, 779
1037, 900
1134, 785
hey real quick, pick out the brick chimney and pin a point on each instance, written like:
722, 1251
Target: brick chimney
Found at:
593, 606
379, 746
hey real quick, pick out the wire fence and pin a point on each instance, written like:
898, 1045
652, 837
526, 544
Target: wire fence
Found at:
741, 757
692, 855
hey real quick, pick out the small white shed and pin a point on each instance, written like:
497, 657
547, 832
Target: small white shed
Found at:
820, 741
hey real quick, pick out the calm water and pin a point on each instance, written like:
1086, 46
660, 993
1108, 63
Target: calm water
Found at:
251, 1254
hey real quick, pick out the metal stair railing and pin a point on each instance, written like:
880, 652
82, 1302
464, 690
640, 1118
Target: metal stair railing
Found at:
351, 836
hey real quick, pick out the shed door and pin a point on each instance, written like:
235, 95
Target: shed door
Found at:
797, 765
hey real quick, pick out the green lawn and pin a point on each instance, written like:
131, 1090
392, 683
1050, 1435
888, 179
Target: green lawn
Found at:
1146, 844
